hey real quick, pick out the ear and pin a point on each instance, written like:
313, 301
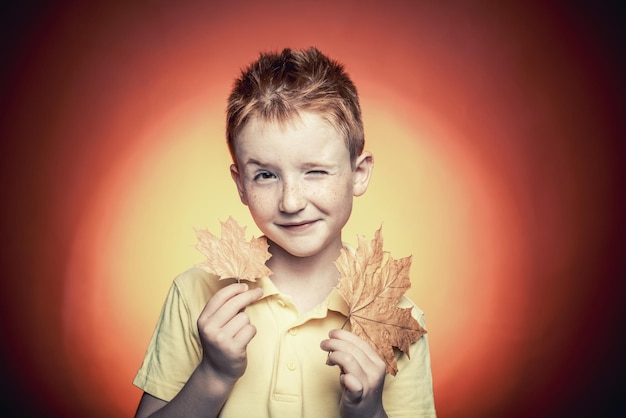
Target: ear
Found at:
362, 172
234, 173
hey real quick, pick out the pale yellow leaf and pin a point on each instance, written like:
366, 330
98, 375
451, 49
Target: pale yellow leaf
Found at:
231, 256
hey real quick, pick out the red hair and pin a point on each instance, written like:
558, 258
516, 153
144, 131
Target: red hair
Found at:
279, 86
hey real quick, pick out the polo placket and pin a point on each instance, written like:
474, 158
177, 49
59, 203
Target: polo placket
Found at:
286, 395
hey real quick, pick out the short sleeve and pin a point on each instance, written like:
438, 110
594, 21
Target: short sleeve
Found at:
410, 392
174, 350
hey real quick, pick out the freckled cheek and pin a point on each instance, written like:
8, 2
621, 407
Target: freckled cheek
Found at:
260, 201
332, 196
322, 194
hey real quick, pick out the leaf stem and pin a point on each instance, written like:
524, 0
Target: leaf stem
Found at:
345, 322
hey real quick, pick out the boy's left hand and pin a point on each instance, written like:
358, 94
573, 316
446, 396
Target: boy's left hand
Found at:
362, 374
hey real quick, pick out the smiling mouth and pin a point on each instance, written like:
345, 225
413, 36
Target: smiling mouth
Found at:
297, 226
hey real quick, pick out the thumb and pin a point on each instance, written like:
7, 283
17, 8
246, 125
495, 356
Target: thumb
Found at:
353, 389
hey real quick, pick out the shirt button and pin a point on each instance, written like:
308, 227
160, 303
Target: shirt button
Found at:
293, 331
281, 303
291, 366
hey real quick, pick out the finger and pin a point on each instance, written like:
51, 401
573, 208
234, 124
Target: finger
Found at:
346, 340
346, 355
221, 296
227, 302
367, 369
239, 330
347, 362
353, 387
245, 335
343, 335
233, 345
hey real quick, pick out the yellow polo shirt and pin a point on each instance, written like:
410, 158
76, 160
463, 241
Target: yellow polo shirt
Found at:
287, 375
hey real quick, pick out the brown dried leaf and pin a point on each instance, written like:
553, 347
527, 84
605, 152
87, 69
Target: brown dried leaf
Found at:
232, 256
372, 289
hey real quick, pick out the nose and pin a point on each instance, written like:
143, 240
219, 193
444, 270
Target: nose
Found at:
293, 197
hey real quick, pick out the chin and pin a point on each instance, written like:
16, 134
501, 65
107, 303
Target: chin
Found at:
308, 251
303, 247
299, 251
302, 253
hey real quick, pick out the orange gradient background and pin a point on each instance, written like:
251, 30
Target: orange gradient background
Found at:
497, 134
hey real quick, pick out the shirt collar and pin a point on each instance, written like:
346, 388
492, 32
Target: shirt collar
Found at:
333, 302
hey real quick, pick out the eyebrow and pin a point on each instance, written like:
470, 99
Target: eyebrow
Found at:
252, 161
318, 164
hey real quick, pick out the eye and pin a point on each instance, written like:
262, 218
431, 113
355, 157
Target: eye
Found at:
263, 176
317, 172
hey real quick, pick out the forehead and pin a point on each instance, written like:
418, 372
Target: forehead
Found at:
304, 132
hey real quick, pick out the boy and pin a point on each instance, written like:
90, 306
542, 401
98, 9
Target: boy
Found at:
261, 349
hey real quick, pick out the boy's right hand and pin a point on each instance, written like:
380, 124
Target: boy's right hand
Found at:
225, 331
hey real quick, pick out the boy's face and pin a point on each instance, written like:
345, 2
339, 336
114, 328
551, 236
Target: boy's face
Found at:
298, 182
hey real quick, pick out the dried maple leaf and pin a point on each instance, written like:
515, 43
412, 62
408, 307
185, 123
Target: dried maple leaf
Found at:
232, 256
372, 283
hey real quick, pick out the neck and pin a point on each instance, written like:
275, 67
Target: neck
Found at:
308, 280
